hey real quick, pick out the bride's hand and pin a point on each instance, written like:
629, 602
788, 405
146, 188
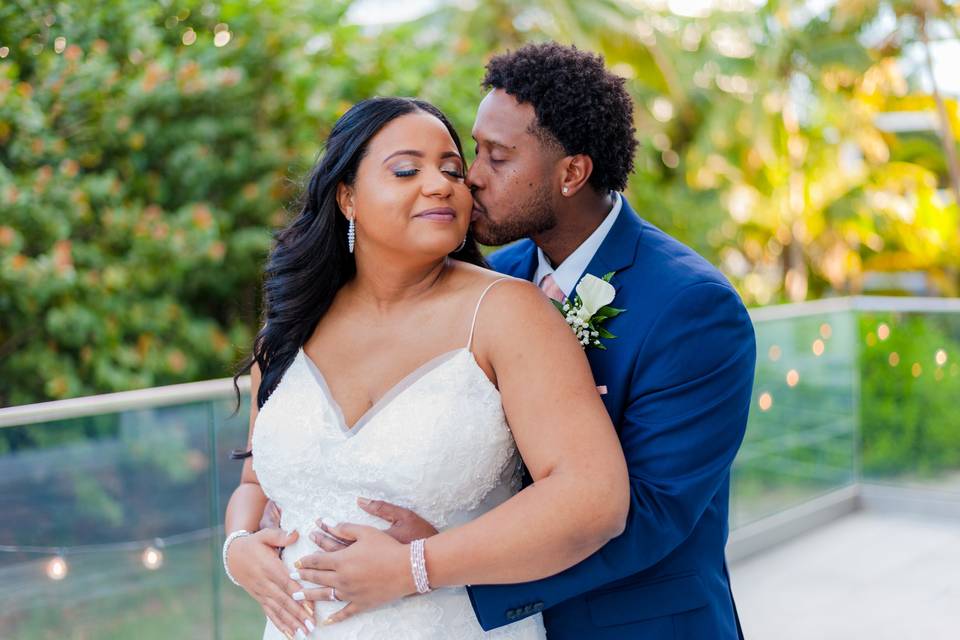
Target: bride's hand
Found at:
405, 525
373, 570
254, 563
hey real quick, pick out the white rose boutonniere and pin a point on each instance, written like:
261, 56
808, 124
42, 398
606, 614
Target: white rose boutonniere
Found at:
589, 309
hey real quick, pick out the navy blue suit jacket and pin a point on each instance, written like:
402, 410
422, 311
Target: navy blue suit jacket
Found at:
679, 378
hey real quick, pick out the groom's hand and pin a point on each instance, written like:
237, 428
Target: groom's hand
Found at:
271, 516
405, 525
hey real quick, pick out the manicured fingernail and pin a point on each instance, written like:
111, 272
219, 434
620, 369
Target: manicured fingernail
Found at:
310, 625
298, 596
329, 620
294, 575
298, 564
328, 523
301, 635
363, 502
308, 607
289, 637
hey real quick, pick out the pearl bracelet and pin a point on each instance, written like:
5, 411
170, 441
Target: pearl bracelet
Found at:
240, 533
418, 565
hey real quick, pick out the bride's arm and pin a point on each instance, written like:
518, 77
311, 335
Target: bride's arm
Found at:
253, 559
580, 493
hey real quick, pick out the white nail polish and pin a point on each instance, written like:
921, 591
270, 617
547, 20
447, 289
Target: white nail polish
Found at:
294, 575
299, 635
298, 596
328, 523
310, 625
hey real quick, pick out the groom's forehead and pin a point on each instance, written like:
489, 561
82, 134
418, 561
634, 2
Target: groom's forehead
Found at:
501, 118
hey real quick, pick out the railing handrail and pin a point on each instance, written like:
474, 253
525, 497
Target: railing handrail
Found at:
222, 388
855, 303
121, 401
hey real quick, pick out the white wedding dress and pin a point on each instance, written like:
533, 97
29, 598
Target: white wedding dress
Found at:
437, 443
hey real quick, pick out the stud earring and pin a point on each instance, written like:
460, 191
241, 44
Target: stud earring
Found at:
565, 190
351, 235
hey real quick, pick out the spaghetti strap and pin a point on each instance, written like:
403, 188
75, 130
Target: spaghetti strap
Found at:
476, 311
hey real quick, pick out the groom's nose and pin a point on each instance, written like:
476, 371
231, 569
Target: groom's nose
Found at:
473, 179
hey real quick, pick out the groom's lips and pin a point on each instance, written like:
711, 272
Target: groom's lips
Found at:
477, 212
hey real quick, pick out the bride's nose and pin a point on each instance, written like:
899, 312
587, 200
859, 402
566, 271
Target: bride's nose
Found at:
436, 184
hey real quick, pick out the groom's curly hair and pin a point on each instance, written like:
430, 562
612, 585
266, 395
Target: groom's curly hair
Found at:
579, 105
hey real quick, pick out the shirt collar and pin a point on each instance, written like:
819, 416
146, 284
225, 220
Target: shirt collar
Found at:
567, 272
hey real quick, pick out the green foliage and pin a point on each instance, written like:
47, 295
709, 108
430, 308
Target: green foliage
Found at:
143, 167
909, 418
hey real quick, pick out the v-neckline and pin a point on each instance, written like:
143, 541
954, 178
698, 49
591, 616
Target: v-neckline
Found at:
395, 390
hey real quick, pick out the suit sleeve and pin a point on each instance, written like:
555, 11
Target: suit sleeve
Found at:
683, 424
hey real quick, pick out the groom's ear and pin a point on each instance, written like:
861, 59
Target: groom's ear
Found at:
345, 200
576, 172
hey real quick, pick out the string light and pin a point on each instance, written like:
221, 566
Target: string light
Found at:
221, 38
826, 331
151, 554
4, 52
59, 44
57, 568
941, 357
916, 370
871, 339
765, 401
793, 377
894, 359
774, 353
818, 347
152, 558
189, 37
883, 332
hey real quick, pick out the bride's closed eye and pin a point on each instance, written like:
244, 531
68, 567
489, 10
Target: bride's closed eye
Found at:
407, 173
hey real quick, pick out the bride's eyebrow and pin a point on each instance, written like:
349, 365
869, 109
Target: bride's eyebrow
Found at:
419, 154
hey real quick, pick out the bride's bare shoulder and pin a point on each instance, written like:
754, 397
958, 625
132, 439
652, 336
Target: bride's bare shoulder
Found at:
474, 277
513, 304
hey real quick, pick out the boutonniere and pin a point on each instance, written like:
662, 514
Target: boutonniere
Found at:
589, 309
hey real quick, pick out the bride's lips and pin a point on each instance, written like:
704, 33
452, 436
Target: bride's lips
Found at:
440, 214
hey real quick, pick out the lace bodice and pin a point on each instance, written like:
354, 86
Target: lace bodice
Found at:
437, 443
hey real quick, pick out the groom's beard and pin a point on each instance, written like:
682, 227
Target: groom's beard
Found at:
525, 219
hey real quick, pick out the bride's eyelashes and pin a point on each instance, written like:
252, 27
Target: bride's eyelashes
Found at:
407, 173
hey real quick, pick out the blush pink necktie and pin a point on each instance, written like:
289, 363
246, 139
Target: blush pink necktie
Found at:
550, 287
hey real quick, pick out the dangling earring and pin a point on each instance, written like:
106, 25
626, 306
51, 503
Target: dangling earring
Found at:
351, 235
462, 245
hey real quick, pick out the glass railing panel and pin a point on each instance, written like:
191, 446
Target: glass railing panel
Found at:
800, 436
910, 399
240, 615
108, 529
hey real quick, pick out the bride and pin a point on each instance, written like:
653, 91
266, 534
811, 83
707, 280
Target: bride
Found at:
392, 365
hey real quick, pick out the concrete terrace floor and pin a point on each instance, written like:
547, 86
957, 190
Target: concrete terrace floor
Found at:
869, 575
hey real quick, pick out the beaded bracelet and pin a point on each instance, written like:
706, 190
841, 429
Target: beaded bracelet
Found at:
418, 565
240, 533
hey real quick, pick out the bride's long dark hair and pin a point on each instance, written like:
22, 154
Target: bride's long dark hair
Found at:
310, 261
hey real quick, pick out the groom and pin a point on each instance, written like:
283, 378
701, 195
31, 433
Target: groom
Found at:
678, 378
555, 143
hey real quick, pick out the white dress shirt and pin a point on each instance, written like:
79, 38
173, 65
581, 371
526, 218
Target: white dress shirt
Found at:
567, 272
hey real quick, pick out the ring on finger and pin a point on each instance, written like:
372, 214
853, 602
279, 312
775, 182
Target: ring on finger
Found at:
333, 594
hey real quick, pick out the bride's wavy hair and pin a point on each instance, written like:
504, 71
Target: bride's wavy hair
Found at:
310, 261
